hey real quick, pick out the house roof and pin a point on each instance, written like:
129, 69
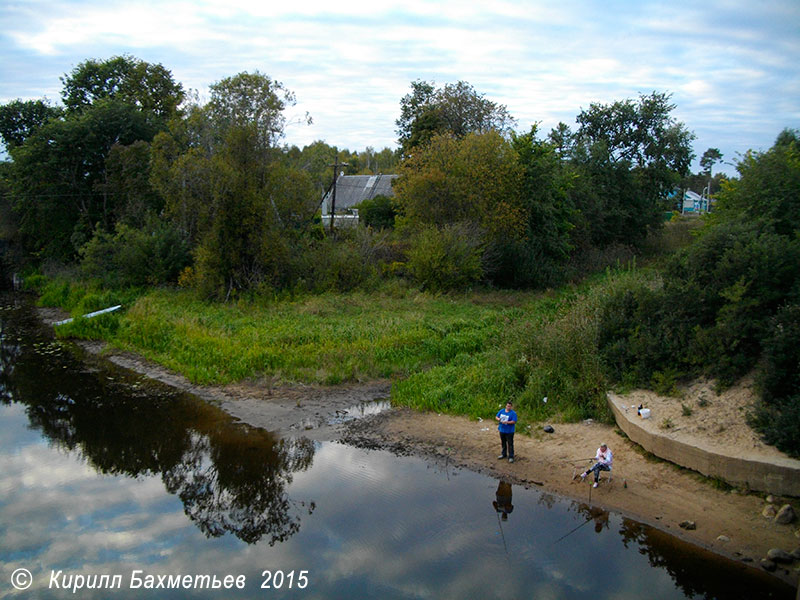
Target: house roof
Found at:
690, 195
354, 189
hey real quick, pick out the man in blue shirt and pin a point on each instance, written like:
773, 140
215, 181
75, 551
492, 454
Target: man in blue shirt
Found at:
507, 419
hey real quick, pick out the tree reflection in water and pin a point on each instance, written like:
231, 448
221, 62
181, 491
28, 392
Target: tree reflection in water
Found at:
688, 566
231, 478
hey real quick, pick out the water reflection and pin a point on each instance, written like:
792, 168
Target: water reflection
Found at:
502, 503
230, 479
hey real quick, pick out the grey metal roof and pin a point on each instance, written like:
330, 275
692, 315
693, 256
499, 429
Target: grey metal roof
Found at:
354, 189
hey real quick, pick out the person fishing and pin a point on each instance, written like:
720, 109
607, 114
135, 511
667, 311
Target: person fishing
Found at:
603, 461
507, 419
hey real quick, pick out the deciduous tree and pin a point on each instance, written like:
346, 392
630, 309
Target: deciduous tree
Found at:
19, 119
149, 87
456, 109
634, 153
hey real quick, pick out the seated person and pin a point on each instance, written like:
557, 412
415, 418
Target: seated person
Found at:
603, 460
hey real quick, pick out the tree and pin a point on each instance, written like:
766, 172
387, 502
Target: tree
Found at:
731, 297
456, 109
378, 212
709, 159
634, 154
60, 180
18, 120
474, 181
230, 187
252, 100
768, 188
126, 186
562, 139
539, 257
59, 175
146, 86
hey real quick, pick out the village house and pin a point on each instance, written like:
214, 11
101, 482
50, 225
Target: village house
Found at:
352, 190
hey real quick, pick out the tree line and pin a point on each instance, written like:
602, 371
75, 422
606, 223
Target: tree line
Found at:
140, 183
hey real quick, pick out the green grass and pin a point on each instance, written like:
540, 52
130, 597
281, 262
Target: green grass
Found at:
461, 354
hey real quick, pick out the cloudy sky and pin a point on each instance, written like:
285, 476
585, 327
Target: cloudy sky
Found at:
730, 65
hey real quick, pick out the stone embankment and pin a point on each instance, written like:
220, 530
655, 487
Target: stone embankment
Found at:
741, 467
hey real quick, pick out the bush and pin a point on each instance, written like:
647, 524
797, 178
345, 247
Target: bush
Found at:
377, 212
133, 257
780, 368
334, 265
353, 259
777, 424
446, 259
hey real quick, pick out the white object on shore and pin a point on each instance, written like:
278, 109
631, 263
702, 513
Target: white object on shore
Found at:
91, 314
645, 413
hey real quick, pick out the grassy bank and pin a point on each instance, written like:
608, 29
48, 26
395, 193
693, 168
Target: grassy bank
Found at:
461, 354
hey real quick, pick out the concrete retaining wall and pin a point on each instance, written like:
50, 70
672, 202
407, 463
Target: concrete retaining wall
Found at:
779, 476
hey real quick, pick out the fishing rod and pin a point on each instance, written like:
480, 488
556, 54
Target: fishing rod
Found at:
572, 531
580, 460
501, 531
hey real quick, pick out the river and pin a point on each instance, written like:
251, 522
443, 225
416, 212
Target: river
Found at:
114, 486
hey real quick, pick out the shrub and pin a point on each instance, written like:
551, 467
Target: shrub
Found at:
334, 265
780, 367
353, 259
777, 424
133, 257
377, 212
446, 259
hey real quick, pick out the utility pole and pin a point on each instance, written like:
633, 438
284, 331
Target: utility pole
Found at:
336, 164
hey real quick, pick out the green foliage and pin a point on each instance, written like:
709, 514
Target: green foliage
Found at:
455, 110
474, 181
780, 373
340, 264
728, 304
77, 297
251, 100
101, 327
537, 259
57, 171
778, 414
153, 255
709, 158
378, 212
127, 188
777, 423
228, 187
768, 188
18, 120
628, 157
446, 259
148, 87
665, 382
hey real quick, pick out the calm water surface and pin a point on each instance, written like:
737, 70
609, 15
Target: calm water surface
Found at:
105, 473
